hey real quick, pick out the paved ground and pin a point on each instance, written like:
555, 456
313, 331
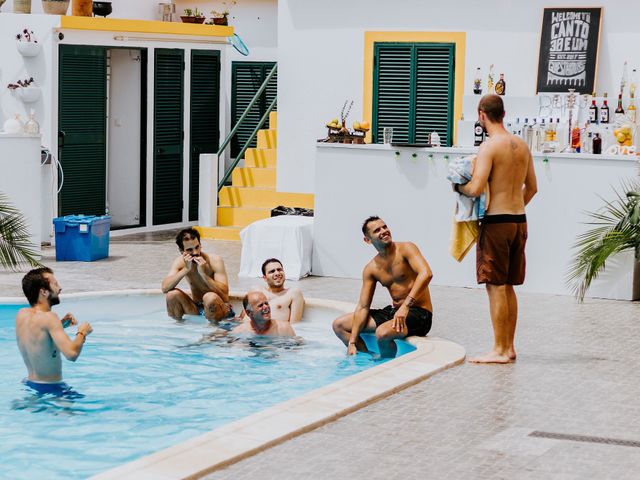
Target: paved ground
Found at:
576, 375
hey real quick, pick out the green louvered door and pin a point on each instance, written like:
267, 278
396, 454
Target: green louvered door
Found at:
82, 124
413, 91
168, 136
205, 116
246, 80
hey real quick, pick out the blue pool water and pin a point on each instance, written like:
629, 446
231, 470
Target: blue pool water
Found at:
149, 383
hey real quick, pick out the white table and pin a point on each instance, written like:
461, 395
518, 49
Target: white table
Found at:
289, 238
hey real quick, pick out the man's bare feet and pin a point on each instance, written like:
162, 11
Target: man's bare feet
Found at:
492, 357
511, 354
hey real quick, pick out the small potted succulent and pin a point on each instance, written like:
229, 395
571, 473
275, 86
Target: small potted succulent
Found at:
192, 16
222, 17
55, 7
26, 90
27, 43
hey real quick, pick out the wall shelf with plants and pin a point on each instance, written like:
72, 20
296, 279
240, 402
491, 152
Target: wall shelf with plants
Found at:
27, 43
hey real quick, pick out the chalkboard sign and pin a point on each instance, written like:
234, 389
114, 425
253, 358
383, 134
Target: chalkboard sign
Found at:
569, 49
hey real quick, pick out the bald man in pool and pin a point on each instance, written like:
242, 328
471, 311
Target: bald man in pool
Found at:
257, 308
41, 337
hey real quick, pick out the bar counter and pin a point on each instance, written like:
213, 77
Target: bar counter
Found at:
408, 188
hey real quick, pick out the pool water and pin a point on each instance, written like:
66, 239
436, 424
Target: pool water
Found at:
149, 383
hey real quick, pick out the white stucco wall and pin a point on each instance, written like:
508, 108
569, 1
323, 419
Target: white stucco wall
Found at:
321, 64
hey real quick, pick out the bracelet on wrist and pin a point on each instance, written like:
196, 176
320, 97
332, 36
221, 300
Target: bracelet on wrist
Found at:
81, 333
351, 343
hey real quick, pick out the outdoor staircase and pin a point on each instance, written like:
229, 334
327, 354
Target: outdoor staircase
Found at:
252, 193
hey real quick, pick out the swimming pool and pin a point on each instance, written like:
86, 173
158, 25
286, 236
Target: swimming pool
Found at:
149, 383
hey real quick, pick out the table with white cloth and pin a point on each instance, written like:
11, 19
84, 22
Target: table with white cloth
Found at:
289, 238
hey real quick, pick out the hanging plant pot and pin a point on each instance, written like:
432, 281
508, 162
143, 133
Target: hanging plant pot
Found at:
29, 94
22, 6
55, 7
29, 49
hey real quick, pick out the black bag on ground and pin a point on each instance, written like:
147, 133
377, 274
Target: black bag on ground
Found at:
282, 210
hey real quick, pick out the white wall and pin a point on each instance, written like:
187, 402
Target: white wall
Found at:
320, 57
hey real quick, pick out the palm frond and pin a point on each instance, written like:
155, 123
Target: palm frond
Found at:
616, 228
16, 248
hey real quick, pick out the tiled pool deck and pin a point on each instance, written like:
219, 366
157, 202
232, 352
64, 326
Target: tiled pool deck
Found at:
576, 375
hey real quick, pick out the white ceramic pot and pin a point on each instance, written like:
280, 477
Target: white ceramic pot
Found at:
29, 49
29, 94
55, 7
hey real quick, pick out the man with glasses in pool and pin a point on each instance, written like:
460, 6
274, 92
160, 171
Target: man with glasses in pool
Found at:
206, 276
41, 337
257, 308
401, 268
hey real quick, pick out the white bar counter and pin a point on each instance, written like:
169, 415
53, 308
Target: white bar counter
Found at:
411, 193
20, 179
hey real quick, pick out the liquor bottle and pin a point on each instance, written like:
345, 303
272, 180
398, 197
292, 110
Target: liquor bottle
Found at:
550, 132
631, 110
477, 82
597, 144
604, 111
478, 133
490, 83
527, 133
618, 115
633, 84
501, 86
593, 110
575, 139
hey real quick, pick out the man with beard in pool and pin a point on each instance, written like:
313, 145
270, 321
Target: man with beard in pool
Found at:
41, 337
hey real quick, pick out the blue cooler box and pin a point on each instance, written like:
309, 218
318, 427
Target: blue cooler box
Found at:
82, 238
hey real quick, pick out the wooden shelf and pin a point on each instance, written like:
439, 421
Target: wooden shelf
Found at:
143, 26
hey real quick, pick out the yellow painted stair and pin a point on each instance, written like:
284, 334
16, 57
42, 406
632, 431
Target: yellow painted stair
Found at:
252, 193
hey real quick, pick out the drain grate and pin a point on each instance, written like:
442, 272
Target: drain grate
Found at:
586, 438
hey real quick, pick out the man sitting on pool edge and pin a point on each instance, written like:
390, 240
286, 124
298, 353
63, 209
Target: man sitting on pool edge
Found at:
40, 334
256, 307
206, 276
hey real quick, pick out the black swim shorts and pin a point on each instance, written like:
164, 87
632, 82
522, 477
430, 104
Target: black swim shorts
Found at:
418, 319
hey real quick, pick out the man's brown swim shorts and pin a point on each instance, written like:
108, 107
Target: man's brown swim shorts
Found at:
500, 255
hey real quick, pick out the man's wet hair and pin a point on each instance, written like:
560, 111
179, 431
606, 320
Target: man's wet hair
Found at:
267, 262
33, 281
365, 225
493, 107
186, 234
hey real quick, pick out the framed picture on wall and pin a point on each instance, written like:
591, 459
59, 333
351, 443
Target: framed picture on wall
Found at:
569, 44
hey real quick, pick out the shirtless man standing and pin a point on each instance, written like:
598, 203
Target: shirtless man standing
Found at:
286, 303
206, 276
504, 163
401, 268
257, 308
40, 334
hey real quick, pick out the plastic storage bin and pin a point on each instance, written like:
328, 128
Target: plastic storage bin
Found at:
82, 238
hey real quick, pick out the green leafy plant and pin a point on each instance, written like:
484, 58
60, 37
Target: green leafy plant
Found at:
616, 229
15, 246
188, 12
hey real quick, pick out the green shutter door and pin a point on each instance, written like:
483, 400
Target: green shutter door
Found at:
205, 115
246, 80
434, 92
413, 91
82, 120
168, 136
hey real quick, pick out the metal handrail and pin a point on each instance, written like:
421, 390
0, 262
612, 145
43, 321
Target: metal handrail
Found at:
246, 145
255, 98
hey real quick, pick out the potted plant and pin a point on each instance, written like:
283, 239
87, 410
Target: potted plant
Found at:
26, 90
192, 16
55, 7
15, 246
616, 230
27, 43
222, 17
